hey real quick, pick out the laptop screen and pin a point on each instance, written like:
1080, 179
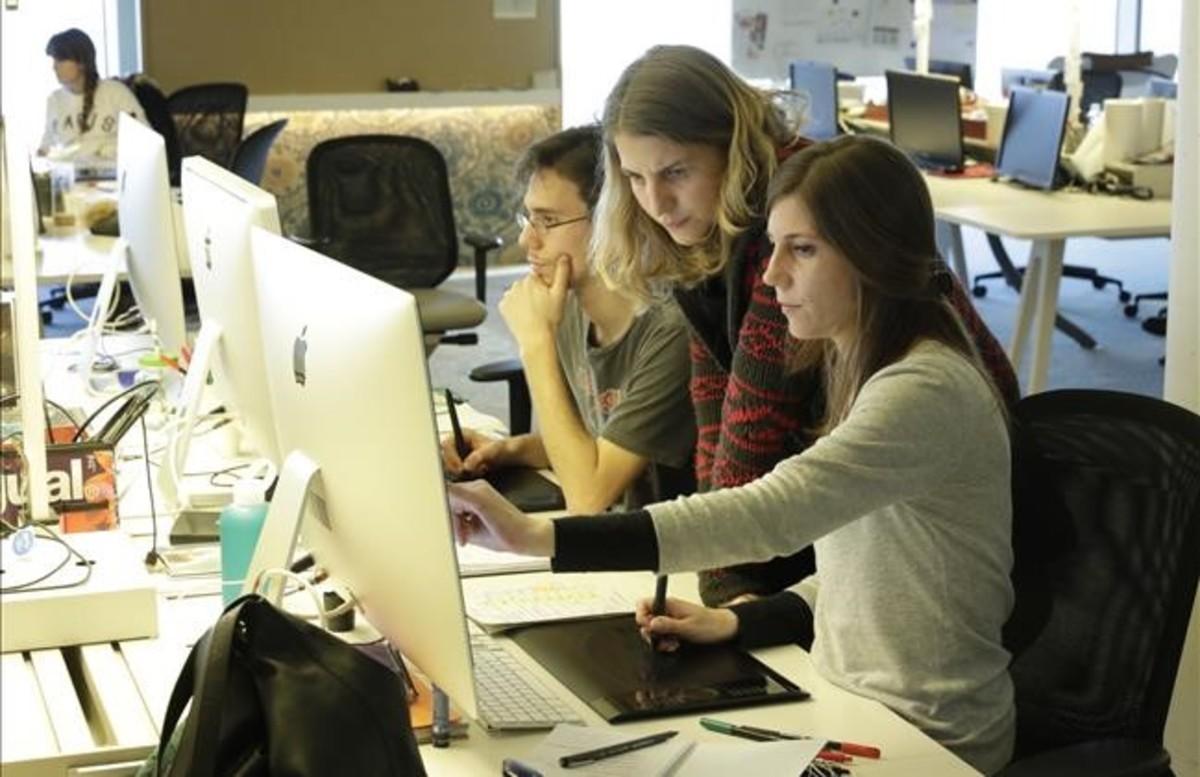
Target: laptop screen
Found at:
1033, 135
925, 119
817, 81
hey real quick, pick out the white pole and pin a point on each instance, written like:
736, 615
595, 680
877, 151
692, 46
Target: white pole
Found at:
922, 30
1073, 64
1181, 384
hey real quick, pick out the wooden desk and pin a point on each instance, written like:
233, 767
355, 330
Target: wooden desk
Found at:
1048, 219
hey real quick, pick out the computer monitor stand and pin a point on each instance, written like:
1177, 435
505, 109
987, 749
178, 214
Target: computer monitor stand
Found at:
170, 472
300, 478
95, 329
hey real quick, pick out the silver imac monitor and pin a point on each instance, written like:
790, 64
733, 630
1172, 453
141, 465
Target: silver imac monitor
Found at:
345, 363
219, 209
18, 219
925, 119
148, 225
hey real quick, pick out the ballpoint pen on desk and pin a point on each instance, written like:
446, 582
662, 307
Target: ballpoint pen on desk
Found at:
611, 751
460, 442
833, 750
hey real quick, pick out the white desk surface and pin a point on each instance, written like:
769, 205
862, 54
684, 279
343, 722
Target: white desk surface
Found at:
49, 729
1047, 219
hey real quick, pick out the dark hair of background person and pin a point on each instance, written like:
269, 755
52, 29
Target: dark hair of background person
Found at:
75, 45
574, 154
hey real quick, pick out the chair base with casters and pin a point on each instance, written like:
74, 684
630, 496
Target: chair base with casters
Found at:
520, 413
1014, 275
1131, 310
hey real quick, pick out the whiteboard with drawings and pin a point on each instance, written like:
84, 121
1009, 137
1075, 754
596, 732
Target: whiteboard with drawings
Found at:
862, 37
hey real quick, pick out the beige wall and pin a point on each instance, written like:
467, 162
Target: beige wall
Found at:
312, 47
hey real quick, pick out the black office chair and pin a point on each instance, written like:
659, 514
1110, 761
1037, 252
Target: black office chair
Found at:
946, 67
208, 120
1098, 86
250, 158
1106, 537
381, 203
520, 404
158, 116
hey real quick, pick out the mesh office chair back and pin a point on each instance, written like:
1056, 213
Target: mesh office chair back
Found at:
208, 119
1107, 546
381, 203
250, 159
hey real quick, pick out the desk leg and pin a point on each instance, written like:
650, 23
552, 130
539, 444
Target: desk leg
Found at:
1027, 304
950, 242
1047, 307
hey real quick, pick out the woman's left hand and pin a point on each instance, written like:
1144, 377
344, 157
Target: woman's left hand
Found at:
483, 517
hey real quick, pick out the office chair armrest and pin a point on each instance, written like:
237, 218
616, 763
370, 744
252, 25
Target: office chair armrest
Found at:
315, 243
482, 245
520, 413
1099, 758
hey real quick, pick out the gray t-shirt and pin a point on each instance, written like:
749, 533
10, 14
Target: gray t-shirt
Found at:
634, 393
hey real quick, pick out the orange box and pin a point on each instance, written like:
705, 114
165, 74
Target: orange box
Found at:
81, 480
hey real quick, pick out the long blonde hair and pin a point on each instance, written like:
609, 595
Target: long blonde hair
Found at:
868, 201
687, 96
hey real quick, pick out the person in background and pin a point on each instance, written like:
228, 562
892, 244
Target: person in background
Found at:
607, 377
905, 490
689, 150
81, 116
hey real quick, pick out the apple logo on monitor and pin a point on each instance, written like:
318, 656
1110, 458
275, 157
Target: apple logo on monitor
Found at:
298, 350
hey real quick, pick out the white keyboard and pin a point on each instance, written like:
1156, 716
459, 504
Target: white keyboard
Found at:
509, 695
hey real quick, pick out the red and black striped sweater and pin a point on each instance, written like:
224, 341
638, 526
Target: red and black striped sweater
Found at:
750, 411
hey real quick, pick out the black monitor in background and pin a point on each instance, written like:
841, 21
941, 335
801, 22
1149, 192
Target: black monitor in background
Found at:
1033, 135
817, 81
946, 67
925, 119
1023, 76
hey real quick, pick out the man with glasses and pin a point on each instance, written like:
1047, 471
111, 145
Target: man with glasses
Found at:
608, 379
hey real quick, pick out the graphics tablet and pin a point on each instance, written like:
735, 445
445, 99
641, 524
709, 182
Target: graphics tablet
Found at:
605, 662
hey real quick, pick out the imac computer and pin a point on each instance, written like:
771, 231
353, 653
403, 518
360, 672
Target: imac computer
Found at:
147, 221
345, 362
1033, 136
219, 208
817, 81
17, 223
925, 119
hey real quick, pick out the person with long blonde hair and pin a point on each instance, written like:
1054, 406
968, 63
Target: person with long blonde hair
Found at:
690, 149
904, 491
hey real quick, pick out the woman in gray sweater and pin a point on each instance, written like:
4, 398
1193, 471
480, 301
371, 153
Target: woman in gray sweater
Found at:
905, 496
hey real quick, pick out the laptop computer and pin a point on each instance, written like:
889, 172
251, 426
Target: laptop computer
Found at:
925, 119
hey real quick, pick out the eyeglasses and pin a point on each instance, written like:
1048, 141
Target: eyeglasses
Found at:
541, 224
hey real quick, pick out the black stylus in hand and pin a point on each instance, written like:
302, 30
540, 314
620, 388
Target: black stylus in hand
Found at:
660, 605
610, 751
460, 442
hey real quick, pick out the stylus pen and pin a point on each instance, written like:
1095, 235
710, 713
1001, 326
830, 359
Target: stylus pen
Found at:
610, 751
460, 442
766, 734
660, 603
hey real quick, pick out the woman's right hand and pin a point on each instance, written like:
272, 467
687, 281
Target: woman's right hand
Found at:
685, 621
487, 453
483, 517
